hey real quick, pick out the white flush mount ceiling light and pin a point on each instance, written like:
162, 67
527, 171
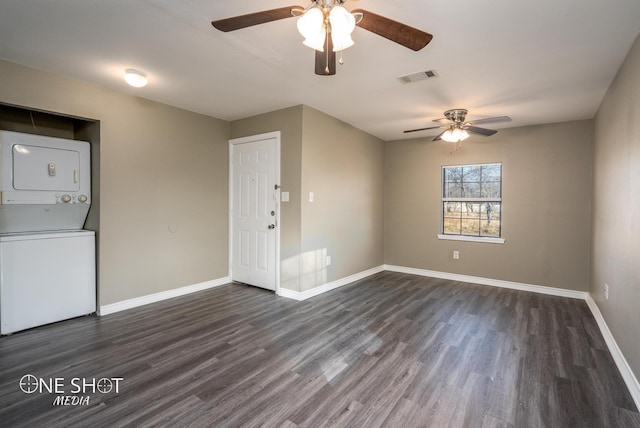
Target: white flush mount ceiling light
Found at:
135, 78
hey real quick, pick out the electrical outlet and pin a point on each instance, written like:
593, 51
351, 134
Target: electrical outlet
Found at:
328, 260
606, 291
456, 255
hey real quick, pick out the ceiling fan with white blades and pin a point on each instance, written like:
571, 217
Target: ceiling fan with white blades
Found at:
327, 26
456, 129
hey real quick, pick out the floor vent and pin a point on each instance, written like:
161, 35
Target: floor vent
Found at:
416, 77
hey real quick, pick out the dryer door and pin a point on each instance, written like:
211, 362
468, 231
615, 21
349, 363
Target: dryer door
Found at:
45, 168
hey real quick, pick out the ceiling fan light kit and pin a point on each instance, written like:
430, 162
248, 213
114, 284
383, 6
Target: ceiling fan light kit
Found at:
454, 135
317, 23
326, 26
457, 129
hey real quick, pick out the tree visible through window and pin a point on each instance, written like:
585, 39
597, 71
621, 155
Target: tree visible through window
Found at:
472, 200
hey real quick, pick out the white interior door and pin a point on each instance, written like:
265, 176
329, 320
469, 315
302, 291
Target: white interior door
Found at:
254, 205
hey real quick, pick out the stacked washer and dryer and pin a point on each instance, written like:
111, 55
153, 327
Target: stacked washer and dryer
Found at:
47, 261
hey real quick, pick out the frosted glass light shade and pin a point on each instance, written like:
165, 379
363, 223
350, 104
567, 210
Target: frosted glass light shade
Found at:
311, 22
341, 42
454, 135
316, 41
342, 25
311, 26
135, 78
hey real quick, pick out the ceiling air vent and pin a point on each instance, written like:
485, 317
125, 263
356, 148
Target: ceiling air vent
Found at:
416, 77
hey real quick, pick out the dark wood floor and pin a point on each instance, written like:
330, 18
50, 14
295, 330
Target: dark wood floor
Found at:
392, 350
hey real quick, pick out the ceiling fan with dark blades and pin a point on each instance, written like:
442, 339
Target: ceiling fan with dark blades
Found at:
327, 25
457, 129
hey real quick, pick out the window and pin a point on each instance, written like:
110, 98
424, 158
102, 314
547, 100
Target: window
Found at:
472, 201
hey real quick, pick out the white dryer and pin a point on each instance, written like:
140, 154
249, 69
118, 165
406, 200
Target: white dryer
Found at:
47, 262
45, 183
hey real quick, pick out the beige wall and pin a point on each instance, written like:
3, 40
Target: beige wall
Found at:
343, 166
546, 203
615, 251
161, 168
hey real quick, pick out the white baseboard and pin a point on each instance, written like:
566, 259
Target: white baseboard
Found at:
303, 295
163, 295
492, 282
626, 372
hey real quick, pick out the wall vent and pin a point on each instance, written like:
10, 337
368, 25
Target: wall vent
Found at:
416, 77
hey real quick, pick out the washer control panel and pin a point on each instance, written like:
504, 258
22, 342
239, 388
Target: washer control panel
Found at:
71, 198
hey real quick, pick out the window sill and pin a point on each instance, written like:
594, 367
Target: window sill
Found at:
471, 239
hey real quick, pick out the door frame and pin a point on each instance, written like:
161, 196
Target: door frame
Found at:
251, 139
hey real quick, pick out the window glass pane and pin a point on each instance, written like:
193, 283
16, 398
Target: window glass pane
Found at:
453, 190
490, 229
470, 227
452, 226
451, 209
494, 208
470, 190
470, 210
490, 190
477, 216
491, 172
471, 173
453, 174
490, 219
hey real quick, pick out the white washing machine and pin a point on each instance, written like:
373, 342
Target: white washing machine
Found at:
47, 262
46, 277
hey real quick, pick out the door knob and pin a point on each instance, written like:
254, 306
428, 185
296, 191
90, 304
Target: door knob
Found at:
272, 226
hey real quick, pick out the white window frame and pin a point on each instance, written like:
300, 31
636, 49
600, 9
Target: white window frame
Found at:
485, 239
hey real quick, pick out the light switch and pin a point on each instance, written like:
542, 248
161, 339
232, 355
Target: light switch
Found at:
310, 196
284, 196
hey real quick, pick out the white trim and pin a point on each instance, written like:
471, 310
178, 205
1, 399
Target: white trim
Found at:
470, 165
253, 138
484, 239
307, 294
626, 372
163, 295
481, 200
491, 282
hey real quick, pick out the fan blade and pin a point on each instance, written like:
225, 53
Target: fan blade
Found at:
326, 61
421, 129
482, 131
404, 35
251, 19
490, 120
439, 135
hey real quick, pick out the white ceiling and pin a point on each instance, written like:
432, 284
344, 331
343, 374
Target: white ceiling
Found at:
537, 61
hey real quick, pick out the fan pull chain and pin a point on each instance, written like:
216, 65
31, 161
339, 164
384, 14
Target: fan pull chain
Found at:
341, 61
458, 146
